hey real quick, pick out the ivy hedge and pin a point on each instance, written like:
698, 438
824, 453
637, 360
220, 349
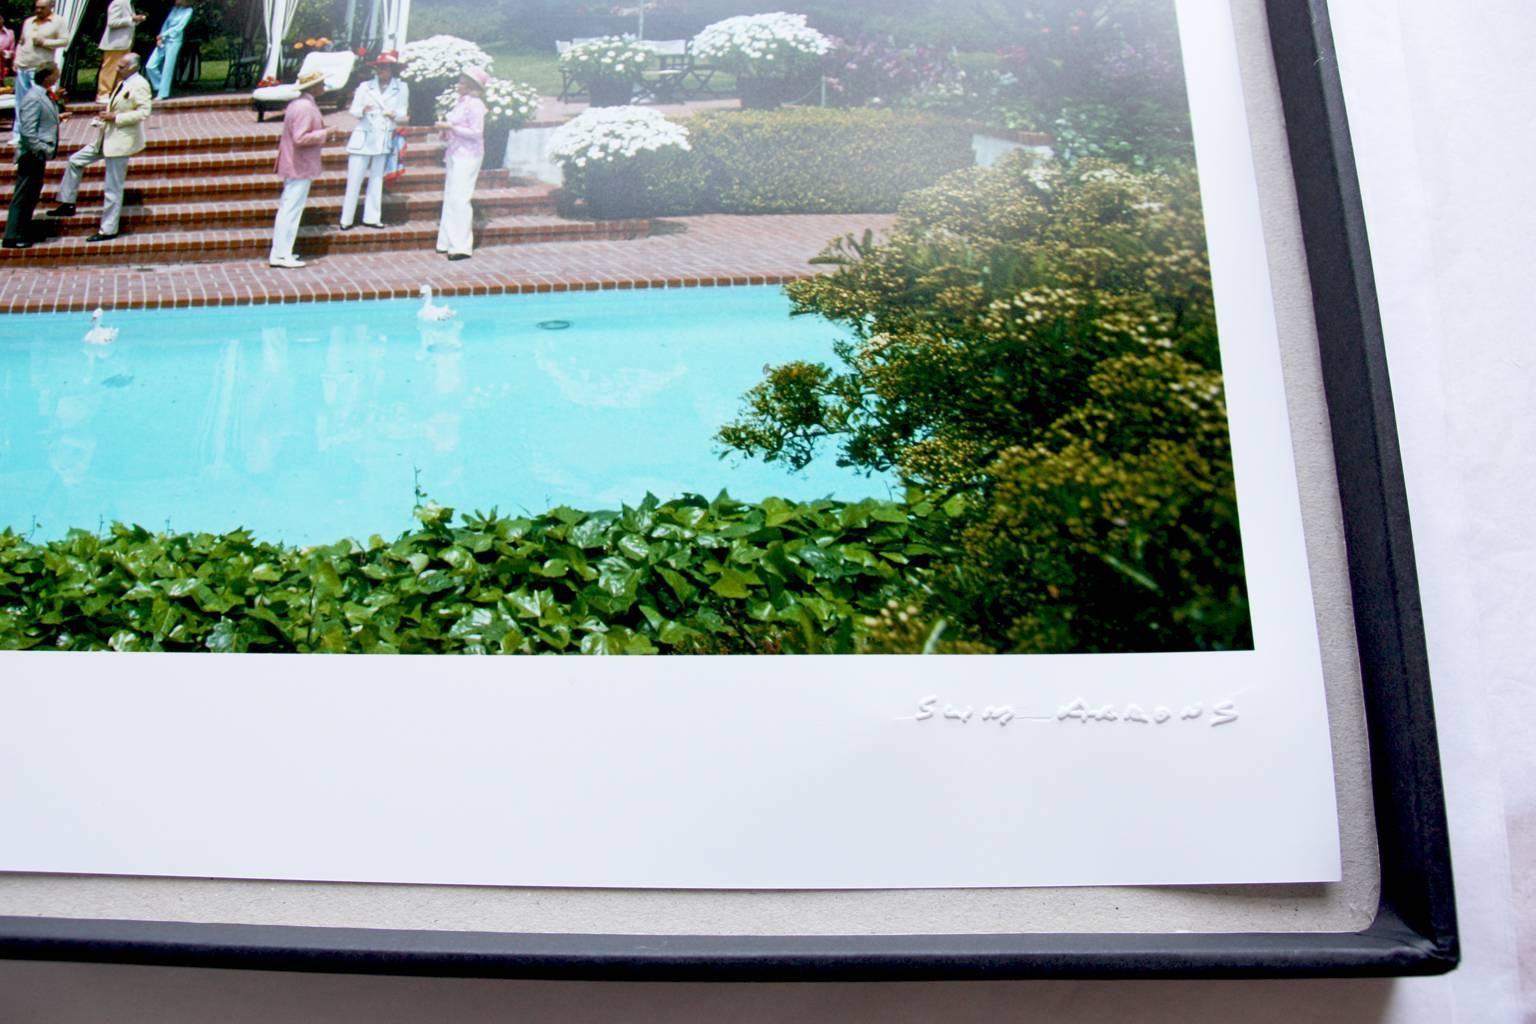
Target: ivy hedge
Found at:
798, 160
683, 576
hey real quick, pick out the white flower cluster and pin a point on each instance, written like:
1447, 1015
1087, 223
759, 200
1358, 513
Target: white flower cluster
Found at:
441, 58
607, 135
761, 45
507, 104
609, 58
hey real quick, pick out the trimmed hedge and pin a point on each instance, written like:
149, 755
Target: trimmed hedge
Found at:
684, 576
802, 160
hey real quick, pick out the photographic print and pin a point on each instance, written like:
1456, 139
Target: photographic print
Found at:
986, 416
922, 333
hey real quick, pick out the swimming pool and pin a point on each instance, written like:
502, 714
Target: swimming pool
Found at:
309, 423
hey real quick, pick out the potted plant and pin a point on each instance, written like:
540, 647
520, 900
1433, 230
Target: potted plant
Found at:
434, 64
773, 56
598, 151
508, 107
608, 68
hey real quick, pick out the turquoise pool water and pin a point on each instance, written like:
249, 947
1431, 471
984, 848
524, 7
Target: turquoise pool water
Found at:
309, 423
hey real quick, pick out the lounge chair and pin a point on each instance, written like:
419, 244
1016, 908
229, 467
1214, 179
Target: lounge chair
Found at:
338, 69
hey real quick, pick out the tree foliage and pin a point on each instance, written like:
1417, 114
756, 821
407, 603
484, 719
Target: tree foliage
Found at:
1041, 344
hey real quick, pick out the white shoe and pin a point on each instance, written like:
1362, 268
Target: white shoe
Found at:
287, 263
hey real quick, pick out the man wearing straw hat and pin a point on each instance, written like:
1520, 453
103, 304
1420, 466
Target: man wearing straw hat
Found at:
298, 163
379, 105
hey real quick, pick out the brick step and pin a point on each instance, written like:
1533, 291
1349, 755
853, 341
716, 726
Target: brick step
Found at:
422, 153
182, 141
212, 101
255, 243
398, 209
236, 187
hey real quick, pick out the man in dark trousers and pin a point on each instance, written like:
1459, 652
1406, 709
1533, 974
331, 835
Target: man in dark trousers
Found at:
37, 128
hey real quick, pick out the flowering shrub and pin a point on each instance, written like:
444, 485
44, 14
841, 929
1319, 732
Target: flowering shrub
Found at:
610, 59
610, 158
441, 59
873, 71
608, 135
762, 45
507, 104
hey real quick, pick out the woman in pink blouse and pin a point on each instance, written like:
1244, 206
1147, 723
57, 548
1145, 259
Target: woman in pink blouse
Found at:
7, 51
464, 133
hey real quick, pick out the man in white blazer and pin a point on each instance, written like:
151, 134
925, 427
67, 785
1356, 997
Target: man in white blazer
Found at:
116, 41
120, 136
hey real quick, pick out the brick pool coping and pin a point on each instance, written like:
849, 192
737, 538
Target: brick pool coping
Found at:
691, 252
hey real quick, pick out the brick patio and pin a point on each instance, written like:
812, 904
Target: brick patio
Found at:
689, 252
197, 224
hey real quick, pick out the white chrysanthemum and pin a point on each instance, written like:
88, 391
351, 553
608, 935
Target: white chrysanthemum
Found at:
441, 57
605, 135
754, 44
608, 58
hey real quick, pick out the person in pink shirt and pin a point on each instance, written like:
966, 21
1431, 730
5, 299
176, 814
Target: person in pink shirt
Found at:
7, 52
464, 133
298, 164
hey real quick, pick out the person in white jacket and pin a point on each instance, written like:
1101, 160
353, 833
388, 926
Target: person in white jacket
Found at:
379, 105
116, 41
120, 134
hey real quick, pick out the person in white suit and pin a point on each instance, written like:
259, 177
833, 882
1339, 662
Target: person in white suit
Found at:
120, 135
379, 105
116, 41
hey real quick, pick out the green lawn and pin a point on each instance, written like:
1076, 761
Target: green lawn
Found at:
540, 70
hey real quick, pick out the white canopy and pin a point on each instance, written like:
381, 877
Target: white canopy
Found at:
397, 15
277, 15
73, 13
387, 19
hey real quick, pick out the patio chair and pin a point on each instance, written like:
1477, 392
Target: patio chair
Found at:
665, 84
339, 69
245, 66
568, 87
696, 77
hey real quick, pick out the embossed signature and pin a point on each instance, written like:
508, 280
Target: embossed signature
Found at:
1223, 712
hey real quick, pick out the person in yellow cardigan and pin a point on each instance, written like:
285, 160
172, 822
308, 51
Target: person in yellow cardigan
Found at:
120, 136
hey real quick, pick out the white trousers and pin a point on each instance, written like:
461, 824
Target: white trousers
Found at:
456, 233
373, 207
290, 209
117, 177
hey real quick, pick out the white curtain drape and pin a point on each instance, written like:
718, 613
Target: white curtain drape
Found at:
73, 13
397, 17
277, 15
376, 20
